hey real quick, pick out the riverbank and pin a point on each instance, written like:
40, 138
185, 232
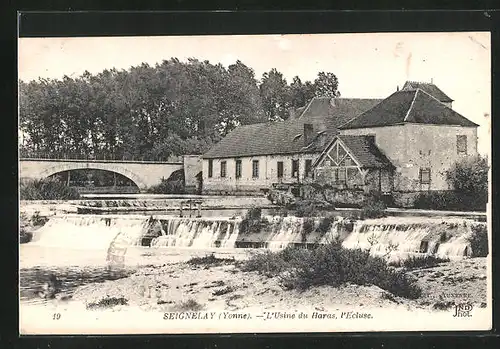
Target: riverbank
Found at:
222, 285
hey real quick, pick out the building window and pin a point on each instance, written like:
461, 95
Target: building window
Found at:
222, 169
425, 176
210, 168
342, 176
295, 168
280, 169
238, 169
255, 168
461, 145
308, 167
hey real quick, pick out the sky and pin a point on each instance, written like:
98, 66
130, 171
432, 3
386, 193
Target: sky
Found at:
367, 65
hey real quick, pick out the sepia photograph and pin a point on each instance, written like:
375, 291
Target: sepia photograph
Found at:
255, 183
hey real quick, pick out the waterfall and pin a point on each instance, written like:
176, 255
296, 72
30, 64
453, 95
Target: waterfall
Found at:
88, 232
401, 240
381, 237
198, 233
285, 230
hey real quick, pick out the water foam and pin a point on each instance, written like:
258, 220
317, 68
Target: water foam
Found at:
99, 232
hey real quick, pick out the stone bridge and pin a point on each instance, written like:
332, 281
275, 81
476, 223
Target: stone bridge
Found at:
143, 173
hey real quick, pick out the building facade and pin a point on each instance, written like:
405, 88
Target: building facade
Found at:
254, 157
419, 135
403, 143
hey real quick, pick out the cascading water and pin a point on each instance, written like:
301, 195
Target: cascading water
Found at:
402, 240
379, 237
186, 232
285, 230
87, 232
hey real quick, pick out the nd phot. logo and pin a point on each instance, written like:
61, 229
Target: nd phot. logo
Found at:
463, 310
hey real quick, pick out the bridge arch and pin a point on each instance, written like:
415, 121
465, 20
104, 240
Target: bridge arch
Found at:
94, 166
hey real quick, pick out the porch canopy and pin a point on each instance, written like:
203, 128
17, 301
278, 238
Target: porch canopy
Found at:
353, 162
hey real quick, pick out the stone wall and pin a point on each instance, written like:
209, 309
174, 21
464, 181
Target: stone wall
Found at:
340, 197
192, 167
411, 147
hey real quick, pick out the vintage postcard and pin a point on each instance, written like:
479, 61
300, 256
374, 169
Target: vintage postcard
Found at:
255, 183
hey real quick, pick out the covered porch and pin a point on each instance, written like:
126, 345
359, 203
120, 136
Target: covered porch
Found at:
354, 162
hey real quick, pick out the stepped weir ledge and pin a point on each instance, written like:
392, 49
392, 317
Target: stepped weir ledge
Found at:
398, 237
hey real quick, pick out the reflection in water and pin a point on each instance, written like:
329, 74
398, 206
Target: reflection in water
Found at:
33, 280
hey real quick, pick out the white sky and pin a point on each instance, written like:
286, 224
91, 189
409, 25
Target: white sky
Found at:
367, 65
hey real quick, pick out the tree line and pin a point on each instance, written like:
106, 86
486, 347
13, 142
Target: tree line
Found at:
155, 112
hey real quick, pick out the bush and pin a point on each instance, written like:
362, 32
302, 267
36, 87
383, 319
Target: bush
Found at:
253, 222
168, 187
37, 220
450, 200
325, 224
108, 302
210, 260
24, 236
254, 213
415, 262
47, 189
306, 208
479, 240
307, 228
267, 263
332, 265
280, 197
222, 291
189, 305
373, 207
469, 175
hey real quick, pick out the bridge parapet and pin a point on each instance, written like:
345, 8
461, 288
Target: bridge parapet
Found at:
104, 161
143, 174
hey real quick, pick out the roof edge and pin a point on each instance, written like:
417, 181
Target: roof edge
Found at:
411, 105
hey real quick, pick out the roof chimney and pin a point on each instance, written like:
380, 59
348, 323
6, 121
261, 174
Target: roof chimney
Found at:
397, 88
308, 134
432, 80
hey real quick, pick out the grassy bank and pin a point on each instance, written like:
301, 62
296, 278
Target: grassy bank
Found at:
46, 189
332, 265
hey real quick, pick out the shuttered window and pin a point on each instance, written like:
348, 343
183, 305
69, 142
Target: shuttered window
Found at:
295, 168
255, 168
210, 168
425, 176
238, 169
280, 169
461, 145
308, 167
223, 169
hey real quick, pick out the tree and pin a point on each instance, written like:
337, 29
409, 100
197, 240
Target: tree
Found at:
274, 94
326, 85
153, 112
300, 93
469, 175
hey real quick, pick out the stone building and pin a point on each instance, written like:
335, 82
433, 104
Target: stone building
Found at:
253, 157
403, 144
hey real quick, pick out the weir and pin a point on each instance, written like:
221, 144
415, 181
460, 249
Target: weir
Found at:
399, 240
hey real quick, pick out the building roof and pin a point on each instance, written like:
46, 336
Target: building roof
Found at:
363, 149
430, 88
412, 106
286, 137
